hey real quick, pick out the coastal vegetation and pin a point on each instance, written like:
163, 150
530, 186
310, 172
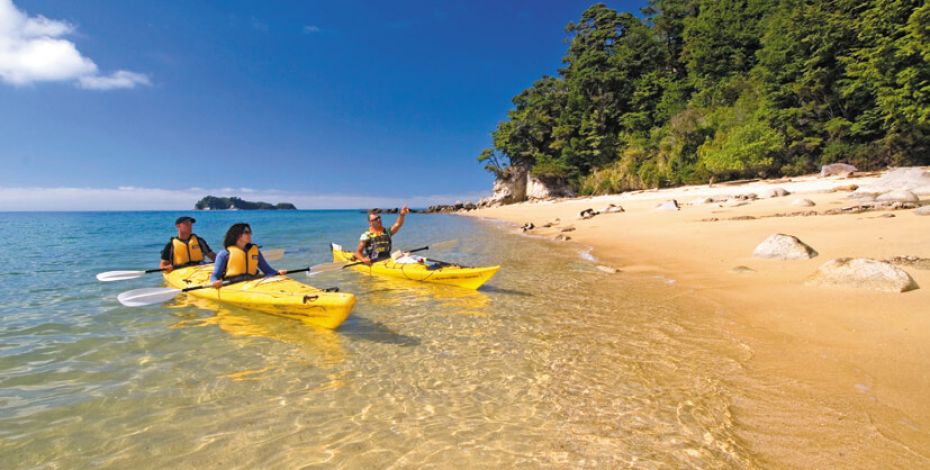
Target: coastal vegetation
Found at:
692, 91
214, 203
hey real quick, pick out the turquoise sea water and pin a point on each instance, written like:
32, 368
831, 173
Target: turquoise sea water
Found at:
538, 368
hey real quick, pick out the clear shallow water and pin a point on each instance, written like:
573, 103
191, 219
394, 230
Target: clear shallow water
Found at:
536, 369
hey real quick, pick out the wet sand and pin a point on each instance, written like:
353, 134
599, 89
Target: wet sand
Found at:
833, 376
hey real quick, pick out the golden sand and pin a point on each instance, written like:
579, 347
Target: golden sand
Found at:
845, 368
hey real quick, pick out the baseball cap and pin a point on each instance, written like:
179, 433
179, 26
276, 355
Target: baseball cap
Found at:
184, 218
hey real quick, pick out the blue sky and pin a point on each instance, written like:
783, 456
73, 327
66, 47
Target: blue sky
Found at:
329, 104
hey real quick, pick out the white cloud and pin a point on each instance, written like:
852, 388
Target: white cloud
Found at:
32, 50
311, 28
136, 198
118, 79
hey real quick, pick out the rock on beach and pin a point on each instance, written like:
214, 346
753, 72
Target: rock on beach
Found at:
781, 246
863, 273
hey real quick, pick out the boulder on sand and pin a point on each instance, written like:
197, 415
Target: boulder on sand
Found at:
925, 210
837, 169
587, 213
863, 273
670, 205
781, 246
775, 192
803, 203
901, 195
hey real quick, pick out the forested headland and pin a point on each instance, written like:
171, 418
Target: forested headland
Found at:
691, 91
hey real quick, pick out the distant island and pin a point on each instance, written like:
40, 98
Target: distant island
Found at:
213, 203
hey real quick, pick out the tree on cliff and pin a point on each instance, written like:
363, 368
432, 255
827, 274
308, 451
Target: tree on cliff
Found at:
725, 89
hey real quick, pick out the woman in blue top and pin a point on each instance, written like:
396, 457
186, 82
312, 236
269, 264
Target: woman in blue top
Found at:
241, 259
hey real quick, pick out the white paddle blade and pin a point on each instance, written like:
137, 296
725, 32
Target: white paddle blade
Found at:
148, 296
444, 245
111, 276
326, 267
274, 254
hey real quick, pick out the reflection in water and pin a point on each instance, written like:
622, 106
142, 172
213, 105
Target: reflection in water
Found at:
318, 347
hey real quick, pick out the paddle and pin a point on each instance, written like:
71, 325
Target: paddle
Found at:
157, 295
445, 245
110, 276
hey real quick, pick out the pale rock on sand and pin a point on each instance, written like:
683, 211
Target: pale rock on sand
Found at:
780, 246
837, 169
570, 228
708, 200
561, 238
863, 195
670, 205
925, 210
775, 192
743, 270
607, 269
913, 179
848, 187
737, 203
800, 202
901, 195
613, 208
863, 273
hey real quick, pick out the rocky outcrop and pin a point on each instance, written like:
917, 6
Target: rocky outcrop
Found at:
518, 184
446, 208
863, 273
837, 169
780, 246
213, 203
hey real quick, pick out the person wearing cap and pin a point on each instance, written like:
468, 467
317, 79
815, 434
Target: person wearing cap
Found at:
185, 249
375, 243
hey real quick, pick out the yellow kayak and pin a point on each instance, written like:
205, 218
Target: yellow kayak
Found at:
278, 295
428, 271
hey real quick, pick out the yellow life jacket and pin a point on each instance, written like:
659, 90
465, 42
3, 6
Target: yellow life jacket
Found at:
242, 261
184, 253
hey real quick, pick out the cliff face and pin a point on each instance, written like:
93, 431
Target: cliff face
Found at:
519, 185
214, 203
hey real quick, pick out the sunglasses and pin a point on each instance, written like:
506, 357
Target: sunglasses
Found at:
247, 231
376, 219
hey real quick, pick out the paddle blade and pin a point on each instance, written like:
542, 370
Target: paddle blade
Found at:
273, 254
326, 267
111, 276
148, 296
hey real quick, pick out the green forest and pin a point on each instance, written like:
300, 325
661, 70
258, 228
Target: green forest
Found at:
691, 91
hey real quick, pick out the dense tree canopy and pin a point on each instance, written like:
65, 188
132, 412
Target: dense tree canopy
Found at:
699, 89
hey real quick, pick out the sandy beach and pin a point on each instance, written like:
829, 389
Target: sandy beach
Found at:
848, 368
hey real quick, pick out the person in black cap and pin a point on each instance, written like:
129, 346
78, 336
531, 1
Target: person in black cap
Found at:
185, 249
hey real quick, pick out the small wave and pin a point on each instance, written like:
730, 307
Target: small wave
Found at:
586, 255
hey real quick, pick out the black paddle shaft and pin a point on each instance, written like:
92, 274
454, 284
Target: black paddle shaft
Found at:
226, 283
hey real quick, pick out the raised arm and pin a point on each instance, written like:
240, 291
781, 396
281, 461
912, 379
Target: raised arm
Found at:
400, 220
